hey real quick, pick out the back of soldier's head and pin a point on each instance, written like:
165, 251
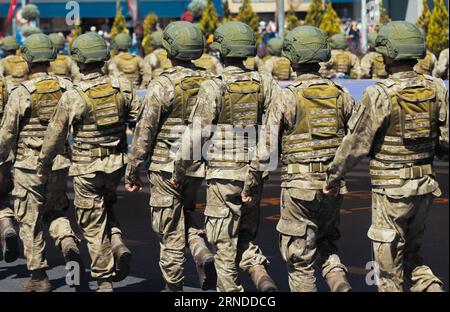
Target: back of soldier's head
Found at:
339, 42
183, 41
235, 40
156, 39
90, 49
38, 48
275, 46
58, 41
122, 42
10, 44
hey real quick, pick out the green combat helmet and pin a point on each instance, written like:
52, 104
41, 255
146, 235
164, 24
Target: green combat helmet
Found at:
371, 39
122, 42
183, 41
38, 48
29, 30
156, 39
306, 44
339, 42
58, 41
235, 39
400, 40
275, 46
10, 43
89, 48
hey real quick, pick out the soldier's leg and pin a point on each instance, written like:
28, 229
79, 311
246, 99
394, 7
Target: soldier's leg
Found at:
221, 225
28, 206
196, 237
298, 232
168, 223
421, 275
9, 243
387, 232
332, 269
92, 219
249, 255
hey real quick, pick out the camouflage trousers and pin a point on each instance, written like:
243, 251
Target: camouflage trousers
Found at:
38, 206
308, 232
398, 227
173, 223
95, 195
231, 228
6, 186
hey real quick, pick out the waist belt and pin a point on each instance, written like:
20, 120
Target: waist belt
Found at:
101, 152
413, 172
314, 167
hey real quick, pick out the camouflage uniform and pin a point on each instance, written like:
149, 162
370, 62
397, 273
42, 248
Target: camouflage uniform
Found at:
14, 69
64, 67
341, 64
154, 64
279, 67
210, 63
441, 70
36, 206
128, 66
426, 65
372, 66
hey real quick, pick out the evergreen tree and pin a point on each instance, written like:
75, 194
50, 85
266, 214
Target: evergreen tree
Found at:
436, 38
119, 24
314, 15
330, 22
292, 20
150, 22
424, 19
248, 16
209, 21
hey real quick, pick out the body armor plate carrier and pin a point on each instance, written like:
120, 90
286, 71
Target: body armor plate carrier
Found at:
343, 63
282, 69
60, 66
16, 68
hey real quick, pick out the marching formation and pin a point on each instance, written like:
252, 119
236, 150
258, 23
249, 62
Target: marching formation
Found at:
228, 123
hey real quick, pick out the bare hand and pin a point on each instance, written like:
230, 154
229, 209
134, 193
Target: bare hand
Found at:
330, 191
248, 200
175, 183
133, 187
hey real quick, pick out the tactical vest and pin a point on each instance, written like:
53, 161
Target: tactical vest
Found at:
343, 63
45, 94
60, 66
250, 63
425, 65
16, 68
164, 62
128, 65
206, 62
240, 116
282, 69
174, 124
2, 97
320, 127
407, 149
103, 130
378, 67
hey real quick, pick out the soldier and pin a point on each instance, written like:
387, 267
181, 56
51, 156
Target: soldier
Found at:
166, 107
63, 66
311, 118
9, 245
97, 109
156, 62
343, 63
125, 64
275, 64
12, 66
441, 70
38, 203
372, 64
402, 123
238, 98
427, 64
209, 62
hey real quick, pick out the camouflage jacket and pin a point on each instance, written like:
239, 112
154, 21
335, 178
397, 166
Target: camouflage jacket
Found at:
269, 65
157, 105
280, 119
368, 126
135, 78
209, 63
329, 69
367, 69
153, 66
16, 115
207, 109
72, 109
441, 70
426, 65
68, 66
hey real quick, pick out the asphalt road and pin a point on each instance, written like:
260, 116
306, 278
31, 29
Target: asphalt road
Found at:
132, 209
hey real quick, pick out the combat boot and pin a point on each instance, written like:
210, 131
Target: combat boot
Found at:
9, 240
122, 257
104, 285
337, 281
38, 282
261, 279
71, 253
204, 261
435, 287
172, 288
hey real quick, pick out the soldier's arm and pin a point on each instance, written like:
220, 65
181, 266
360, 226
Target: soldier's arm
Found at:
370, 115
270, 87
204, 113
147, 75
442, 149
356, 67
365, 67
441, 65
159, 96
132, 102
10, 123
141, 72
349, 105
2, 69
67, 112
112, 68
74, 71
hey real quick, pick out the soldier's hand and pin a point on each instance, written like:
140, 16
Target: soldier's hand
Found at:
248, 200
133, 187
330, 191
175, 183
